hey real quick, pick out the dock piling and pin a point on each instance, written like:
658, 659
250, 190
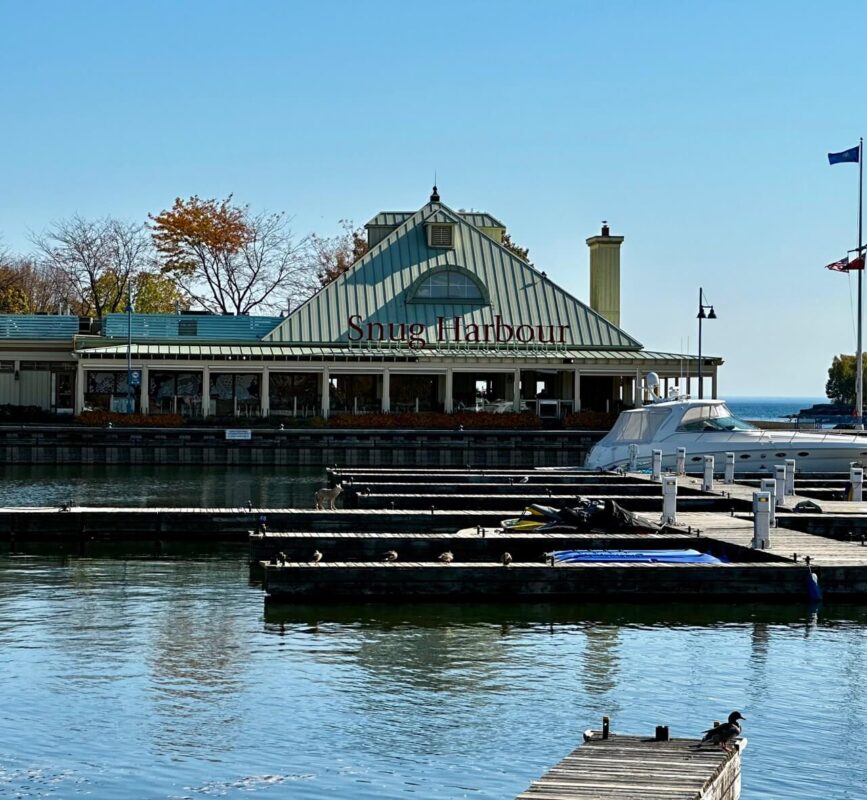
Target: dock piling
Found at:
791, 464
707, 478
657, 465
780, 478
856, 483
680, 464
669, 500
730, 468
761, 521
769, 485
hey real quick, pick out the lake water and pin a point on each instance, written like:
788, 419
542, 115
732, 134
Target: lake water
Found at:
770, 408
161, 680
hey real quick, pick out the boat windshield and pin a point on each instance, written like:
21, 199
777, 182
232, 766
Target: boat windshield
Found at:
637, 426
717, 417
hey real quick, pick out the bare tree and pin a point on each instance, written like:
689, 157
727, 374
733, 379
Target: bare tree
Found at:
227, 259
97, 259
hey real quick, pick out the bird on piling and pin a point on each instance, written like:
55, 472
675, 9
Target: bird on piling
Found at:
724, 734
506, 559
282, 559
390, 555
317, 557
447, 557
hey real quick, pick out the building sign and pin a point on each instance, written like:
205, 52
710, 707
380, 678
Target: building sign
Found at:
416, 334
135, 378
238, 434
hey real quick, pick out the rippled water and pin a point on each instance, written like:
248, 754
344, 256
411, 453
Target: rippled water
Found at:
158, 485
168, 679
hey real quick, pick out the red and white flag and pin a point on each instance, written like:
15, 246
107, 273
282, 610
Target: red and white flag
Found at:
839, 266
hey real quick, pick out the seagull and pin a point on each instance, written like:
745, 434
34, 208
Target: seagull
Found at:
726, 733
447, 557
525, 479
390, 555
317, 557
506, 559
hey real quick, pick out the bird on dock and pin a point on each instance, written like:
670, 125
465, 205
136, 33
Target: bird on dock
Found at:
447, 557
525, 479
317, 557
724, 734
282, 559
506, 559
390, 555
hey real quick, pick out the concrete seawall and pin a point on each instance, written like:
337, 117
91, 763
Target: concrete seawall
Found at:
72, 444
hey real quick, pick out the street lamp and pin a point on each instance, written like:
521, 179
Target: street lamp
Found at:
129, 349
711, 314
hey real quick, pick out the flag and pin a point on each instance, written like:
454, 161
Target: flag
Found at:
839, 266
845, 265
850, 155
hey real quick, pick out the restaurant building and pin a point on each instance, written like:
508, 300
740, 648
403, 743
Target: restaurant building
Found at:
438, 316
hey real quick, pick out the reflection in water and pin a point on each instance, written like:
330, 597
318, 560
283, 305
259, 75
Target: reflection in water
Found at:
160, 485
160, 679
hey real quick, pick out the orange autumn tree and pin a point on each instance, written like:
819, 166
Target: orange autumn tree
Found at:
227, 259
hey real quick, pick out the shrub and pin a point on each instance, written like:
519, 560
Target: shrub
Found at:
103, 418
592, 420
432, 419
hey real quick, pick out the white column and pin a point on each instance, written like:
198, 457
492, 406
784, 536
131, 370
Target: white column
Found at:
576, 391
265, 392
448, 400
386, 390
206, 392
326, 393
516, 399
144, 390
80, 377
639, 390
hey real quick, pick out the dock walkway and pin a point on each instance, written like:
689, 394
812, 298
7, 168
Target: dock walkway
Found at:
636, 768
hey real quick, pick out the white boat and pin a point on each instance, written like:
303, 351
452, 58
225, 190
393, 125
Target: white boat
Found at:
708, 427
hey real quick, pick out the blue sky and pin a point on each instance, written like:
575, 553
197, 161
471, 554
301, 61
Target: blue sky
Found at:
700, 131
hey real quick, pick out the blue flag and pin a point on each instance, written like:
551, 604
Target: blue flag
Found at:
850, 155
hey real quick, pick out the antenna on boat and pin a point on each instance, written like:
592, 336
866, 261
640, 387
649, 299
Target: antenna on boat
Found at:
651, 381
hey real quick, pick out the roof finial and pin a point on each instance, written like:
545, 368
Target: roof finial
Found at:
605, 229
435, 195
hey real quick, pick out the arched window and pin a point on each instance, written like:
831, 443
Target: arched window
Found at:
448, 285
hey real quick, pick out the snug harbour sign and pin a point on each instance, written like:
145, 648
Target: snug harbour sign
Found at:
417, 335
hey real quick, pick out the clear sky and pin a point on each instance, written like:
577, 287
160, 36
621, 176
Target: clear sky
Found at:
699, 130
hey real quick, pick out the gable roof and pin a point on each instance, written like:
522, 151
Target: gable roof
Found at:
375, 289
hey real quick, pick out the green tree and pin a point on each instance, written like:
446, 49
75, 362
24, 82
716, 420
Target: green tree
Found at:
840, 387
154, 293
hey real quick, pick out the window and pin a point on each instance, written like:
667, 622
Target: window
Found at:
449, 285
711, 418
188, 327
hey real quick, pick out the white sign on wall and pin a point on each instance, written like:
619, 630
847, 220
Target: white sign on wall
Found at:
239, 434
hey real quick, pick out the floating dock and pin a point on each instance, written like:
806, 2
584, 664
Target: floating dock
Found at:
635, 768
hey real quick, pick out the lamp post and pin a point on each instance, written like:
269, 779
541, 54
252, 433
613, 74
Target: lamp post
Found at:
129, 350
711, 314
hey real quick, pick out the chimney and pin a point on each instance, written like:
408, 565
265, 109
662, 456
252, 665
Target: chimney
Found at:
605, 274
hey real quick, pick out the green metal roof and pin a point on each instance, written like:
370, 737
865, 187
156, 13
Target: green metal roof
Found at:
264, 352
391, 219
375, 289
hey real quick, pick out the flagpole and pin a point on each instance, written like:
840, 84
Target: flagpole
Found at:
859, 358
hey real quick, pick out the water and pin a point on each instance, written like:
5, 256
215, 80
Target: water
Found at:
156, 485
150, 680
770, 408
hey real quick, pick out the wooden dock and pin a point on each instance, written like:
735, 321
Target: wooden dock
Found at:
636, 768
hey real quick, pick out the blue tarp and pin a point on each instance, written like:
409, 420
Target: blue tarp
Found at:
635, 556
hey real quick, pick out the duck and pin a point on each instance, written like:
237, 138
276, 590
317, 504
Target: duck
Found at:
725, 734
390, 555
447, 557
317, 557
506, 559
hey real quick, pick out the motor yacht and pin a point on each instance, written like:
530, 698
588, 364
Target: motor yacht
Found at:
708, 427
